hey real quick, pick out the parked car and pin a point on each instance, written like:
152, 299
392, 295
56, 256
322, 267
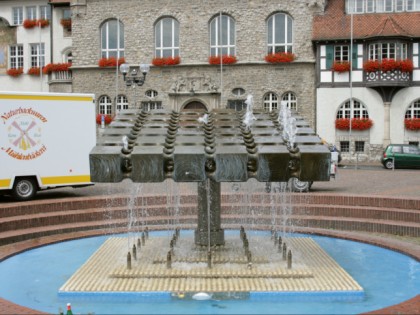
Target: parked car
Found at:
401, 156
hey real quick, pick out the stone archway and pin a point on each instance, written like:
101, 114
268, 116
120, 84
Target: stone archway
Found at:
195, 105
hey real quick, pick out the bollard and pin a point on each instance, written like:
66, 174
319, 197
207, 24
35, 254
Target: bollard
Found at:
284, 251
289, 259
169, 260
209, 259
129, 261
134, 252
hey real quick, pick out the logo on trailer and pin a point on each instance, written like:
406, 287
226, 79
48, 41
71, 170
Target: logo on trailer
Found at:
24, 133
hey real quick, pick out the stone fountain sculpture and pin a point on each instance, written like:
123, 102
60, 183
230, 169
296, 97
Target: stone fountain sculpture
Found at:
208, 148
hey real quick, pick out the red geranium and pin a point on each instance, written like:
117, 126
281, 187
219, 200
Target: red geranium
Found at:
66, 23
15, 72
226, 59
389, 64
412, 123
371, 65
356, 123
29, 23
34, 71
108, 119
280, 57
406, 65
56, 67
42, 22
166, 61
110, 62
341, 66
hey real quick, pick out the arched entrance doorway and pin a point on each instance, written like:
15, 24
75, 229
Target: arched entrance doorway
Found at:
195, 105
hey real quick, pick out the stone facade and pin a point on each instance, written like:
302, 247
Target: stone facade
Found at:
251, 72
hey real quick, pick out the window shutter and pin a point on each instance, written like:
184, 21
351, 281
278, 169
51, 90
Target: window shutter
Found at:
354, 58
329, 56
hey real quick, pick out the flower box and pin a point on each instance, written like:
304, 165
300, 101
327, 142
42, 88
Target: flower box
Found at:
29, 24
406, 65
108, 119
56, 67
110, 62
356, 123
66, 23
42, 23
226, 60
166, 61
15, 72
280, 57
412, 124
389, 64
341, 66
34, 71
371, 66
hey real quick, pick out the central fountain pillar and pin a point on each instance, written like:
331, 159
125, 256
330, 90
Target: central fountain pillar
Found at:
209, 214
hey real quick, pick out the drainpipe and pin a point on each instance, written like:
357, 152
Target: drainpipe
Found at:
387, 133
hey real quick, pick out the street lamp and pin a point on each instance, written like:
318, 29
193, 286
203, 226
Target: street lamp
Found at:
131, 79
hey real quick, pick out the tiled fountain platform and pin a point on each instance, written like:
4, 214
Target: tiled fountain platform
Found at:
312, 269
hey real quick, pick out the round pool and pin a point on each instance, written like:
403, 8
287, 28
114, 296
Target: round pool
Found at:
33, 278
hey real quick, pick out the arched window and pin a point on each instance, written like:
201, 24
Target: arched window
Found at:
167, 38
105, 105
279, 33
290, 99
413, 111
151, 93
358, 110
222, 36
122, 102
270, 102
112, 39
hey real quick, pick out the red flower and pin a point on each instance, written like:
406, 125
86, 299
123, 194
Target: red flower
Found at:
29, 23
280, 57
389, 64
42, 22
226, 59
356, 123
34, 71
406, 65
412, 124
56, 67
371, 65
341, 66
166, 61
15, 72
108, 119
66, 23
110, 62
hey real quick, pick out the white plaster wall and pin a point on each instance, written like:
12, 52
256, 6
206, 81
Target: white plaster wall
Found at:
329, 101
402, 100
61, 43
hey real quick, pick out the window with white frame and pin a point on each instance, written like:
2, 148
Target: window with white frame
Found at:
354, 110
280, 33
105, 105
151, 93
122, 102
379, 6
290, 99
413, 111
167, 38
17, 15
270, 101
67, 13
379, 51
16, 56
37, 55
341, 53
31, 13
151, 105
112, 39
237, 105
222, 36
45, 12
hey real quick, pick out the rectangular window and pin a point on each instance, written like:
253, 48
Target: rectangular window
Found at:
151, 105
16, 56
45, 12
66, 14
399, 5
341, 53
237, 105
344, 146
388, 50
370, 6
31, 13
388, 5
373, 51
359, 146
37, 55
380, 6
403, 51
17, 15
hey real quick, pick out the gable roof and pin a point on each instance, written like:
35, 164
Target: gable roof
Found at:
335, 24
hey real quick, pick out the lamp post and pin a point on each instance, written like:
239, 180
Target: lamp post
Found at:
131, 78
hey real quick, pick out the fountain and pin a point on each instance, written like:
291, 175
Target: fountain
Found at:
210, 148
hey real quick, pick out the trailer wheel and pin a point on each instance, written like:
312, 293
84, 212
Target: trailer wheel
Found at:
24, 189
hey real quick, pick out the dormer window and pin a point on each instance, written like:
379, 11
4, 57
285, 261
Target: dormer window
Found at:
381, 6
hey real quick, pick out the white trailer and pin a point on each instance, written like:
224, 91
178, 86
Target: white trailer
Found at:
45, 141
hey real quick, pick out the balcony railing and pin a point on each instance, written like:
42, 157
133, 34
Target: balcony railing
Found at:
388, 78
60, 76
